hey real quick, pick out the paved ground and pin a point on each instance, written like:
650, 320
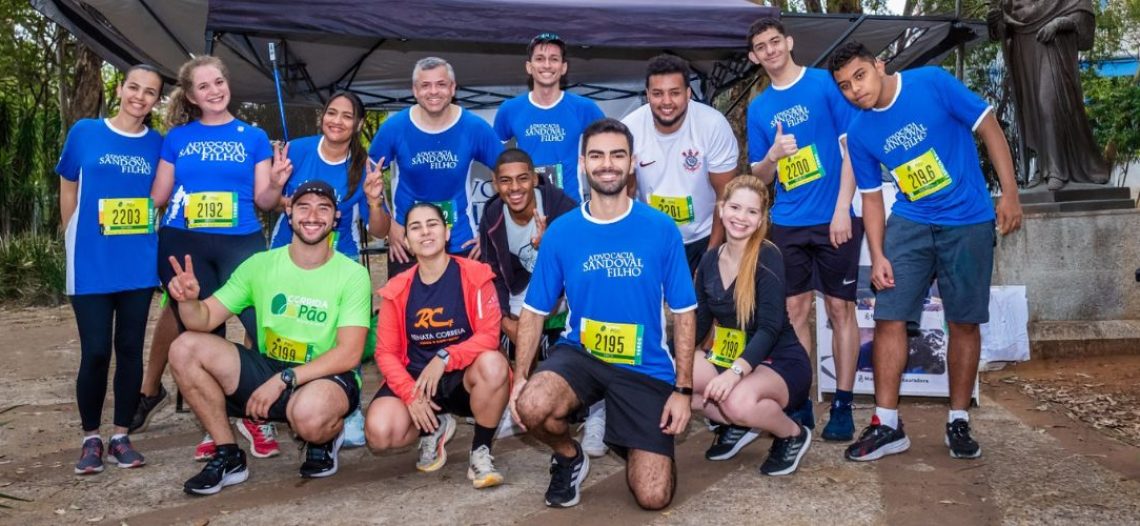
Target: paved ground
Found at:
1039, 467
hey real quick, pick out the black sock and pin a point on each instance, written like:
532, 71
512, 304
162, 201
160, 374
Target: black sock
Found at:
568, 460
227, 449
483, 437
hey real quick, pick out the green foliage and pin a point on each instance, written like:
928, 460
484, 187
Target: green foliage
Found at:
1114, 112
32, 269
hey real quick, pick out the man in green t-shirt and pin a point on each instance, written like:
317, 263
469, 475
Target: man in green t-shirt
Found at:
312, 307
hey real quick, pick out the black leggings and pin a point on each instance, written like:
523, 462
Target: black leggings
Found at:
215, 257
95, 314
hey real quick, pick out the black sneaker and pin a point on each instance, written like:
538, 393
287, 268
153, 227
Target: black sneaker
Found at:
728, 441
566, 479
225, 469
958, 439
148, 406
878, 441
785, 455
321, 460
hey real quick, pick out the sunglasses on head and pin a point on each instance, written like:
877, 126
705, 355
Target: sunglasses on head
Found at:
546, 37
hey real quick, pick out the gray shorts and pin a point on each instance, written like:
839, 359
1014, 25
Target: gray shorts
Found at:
961, 258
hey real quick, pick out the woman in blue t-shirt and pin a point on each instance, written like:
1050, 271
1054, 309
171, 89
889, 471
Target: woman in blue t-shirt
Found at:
337, 157
754, 367
106, 170
212, 177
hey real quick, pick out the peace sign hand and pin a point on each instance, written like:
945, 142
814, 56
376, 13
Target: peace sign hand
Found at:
282, 167
539, 229
184, 285
374, 182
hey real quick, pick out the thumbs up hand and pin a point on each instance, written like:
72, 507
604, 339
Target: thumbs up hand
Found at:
783, 146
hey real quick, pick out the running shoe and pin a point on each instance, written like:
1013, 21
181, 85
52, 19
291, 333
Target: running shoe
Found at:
566, 479
958, 439
786, 453
481, 469
804, 415
206, 449
228, 467
354, 430
148, 407
840, 424
121, 451
91, 457
262, 437
728, 440
594, 432
877, 441
507, 426
433, 447
321, 459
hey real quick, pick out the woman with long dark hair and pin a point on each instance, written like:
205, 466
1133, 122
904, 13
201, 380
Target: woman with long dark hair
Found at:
106, 169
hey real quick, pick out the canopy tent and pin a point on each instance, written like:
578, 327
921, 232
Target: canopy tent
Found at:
370, 46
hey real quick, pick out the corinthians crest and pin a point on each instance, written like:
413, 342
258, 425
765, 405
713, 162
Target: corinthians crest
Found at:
692, 160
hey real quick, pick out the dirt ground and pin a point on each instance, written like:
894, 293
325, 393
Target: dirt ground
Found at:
1060, 447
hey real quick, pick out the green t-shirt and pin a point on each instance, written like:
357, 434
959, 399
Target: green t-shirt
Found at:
298, 311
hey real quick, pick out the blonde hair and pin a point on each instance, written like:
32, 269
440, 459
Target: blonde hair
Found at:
181, 109
745, 293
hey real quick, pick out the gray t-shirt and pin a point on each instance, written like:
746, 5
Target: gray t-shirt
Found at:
522, 249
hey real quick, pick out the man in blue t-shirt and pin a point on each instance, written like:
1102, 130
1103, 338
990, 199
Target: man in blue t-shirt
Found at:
547, 121
796, 130
618, 261
431, 146
942, 225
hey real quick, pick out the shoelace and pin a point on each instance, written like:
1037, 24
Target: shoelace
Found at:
428, 447
960, 431
780, 447
92, 448
268, 431
560, 475
319, 452
481, 461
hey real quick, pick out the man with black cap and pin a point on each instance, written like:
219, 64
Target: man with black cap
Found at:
312, 307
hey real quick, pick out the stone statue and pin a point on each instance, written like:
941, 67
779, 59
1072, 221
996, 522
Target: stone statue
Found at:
1040, 40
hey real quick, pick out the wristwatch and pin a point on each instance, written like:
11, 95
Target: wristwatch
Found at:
290, 378
736, 369
443, 355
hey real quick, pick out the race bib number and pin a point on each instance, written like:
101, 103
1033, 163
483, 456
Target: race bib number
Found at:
728, 345
552, 173
126, 216
800, 168
922, 176
617, 343
448, 208
211, 210
284, 349
678, 208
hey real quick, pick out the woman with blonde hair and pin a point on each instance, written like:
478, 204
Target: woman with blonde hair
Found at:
754, 367
212, 177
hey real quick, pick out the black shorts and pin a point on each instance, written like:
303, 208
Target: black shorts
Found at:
256, 369
694, 251
811, 263
791, 363
634, 401
450, 395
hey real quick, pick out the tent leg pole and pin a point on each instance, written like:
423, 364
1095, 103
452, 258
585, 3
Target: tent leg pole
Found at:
209, 49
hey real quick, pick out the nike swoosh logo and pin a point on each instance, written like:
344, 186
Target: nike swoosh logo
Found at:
848, 281
643, 165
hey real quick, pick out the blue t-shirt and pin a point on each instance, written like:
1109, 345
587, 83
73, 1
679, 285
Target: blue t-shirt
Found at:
814, 110
436, 166
308, 164
924, 137
110, 166
550, 134
218, 159
616, 274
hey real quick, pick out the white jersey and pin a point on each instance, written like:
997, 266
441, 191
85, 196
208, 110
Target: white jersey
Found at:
673, 170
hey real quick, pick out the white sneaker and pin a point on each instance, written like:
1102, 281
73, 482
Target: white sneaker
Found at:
594, 431
481, 469
507, 426
433, 450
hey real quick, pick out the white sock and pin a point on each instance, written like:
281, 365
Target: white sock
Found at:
117, 436
956, 414
89, 437
888, 417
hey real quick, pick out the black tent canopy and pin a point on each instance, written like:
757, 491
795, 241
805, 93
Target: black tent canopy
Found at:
370, 46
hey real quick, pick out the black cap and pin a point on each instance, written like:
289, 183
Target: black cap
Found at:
316, 186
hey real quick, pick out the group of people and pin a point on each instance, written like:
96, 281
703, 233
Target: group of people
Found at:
555, 307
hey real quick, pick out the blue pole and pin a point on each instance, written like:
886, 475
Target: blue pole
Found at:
277, 84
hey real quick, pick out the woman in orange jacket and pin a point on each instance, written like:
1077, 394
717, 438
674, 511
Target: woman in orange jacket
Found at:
437, 348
